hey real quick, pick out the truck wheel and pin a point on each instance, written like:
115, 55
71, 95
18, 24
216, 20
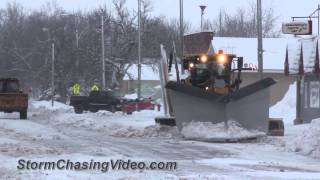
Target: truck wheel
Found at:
113, 108
23, 114
78, 109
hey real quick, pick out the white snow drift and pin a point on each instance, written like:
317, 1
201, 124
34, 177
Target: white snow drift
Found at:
149, 131
47, 106
209, 131
286, 108
306, 141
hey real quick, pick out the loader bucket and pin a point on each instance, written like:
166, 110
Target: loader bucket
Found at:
249, 105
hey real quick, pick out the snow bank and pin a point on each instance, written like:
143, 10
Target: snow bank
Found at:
210, 131
286, 108
131, 96
147, 73
150, 131
140, 124
158, 87
29, 129
46, 106
306, 141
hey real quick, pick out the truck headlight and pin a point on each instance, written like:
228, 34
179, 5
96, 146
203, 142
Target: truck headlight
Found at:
204, 59
222, 59
191, 65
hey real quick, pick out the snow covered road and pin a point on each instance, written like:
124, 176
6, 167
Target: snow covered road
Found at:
49, 135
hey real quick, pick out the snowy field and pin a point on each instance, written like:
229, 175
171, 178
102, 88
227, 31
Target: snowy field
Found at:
57, 133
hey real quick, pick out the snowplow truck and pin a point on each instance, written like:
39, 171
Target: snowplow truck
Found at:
212, 92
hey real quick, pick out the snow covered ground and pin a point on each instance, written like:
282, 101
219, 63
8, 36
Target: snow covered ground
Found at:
57, 133
304, 139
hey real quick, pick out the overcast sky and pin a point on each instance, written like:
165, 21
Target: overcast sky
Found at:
170, 8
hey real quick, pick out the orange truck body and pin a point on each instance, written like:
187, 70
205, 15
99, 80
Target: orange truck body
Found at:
13, 102
12, 99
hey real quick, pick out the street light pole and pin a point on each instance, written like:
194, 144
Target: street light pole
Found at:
77, 48
77, 31
52, 64
318, 19
52, 74
139, 49
103, 59
181, 35
260, 40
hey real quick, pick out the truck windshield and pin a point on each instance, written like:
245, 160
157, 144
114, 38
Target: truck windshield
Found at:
274, 125
12, 86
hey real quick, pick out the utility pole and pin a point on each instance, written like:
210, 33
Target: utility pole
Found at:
318, 19
77, 48
181, 35
298, 119
139, 49
103, 59
202, 7
220, 23
260, 40
50, 39
52, 74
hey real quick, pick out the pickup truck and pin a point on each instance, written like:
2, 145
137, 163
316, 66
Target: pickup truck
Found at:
11, 98
97, 100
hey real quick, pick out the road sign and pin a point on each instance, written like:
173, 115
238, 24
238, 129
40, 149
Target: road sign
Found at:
297, 28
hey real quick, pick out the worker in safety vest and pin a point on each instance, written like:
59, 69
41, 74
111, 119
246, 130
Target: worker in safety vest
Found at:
76, 89
94, 88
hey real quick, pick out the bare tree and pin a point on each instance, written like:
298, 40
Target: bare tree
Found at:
25, 50
243, 23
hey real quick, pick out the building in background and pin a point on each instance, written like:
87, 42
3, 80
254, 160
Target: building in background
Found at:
303, 65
